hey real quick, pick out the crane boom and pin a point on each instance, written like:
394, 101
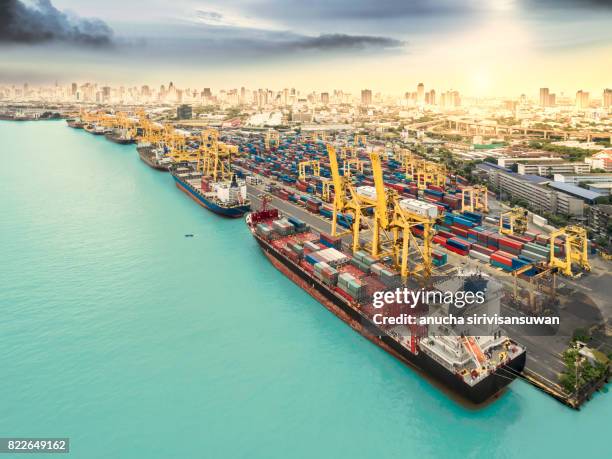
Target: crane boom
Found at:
381, 195
339, 193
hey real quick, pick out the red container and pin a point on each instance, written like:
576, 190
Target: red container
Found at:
522, 239
502, 253
445, 234
344, 294
459, 231
482, 249
457, 250
501, 259
506, 242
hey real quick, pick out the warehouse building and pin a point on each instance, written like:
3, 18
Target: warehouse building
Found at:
589, 178
532, 189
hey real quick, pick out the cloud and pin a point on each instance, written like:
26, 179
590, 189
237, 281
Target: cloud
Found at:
43, 23
561, 4
338, 41
210, 17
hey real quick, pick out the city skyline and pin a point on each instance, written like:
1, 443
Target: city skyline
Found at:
503, 49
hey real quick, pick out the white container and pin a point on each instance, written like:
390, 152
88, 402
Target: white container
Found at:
367, 192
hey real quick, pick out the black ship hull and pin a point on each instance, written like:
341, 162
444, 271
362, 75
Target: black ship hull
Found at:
148, 157
476, 394
119, 140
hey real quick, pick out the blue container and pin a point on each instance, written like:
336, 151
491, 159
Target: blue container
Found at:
296, 222
473, 216
436, 193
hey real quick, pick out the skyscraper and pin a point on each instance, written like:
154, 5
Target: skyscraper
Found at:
582, 99
432, 97
325, 98
544, 97
607, 98
420, 92
366, 97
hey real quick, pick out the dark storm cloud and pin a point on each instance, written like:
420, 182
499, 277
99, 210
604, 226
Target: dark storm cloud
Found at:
342, 41
361, 9
218, 31
574, 4
43, 23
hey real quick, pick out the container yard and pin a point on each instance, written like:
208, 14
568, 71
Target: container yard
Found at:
379, 212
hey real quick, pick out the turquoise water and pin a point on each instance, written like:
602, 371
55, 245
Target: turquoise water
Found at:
136, 342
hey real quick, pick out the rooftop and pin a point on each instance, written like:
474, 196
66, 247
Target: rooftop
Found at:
575, 190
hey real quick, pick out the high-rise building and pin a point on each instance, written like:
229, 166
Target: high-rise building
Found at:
366, 97
420, 92
325, 98
544, 92
607, 98
552, 100
582, 99
432, 97
73, 89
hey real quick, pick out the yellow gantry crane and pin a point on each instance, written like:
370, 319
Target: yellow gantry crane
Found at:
382, 242
348, 152
348, 200
412, 255
359, 140
576, 250
315, 165
177, 145
272, 139
352, 165
150, 131
316, 136
326, 187
392, 224
426, 172
340, 190
215, 157
516, 218
478, 200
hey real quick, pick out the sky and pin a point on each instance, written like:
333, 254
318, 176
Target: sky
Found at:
482, 48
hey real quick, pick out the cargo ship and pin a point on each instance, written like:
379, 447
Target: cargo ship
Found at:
75, 123
227, 198
95, 129
120, 136
153, 156
475, 368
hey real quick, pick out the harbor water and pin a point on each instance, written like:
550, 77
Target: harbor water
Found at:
135, 341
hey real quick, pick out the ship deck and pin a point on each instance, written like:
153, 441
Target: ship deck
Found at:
449, 351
